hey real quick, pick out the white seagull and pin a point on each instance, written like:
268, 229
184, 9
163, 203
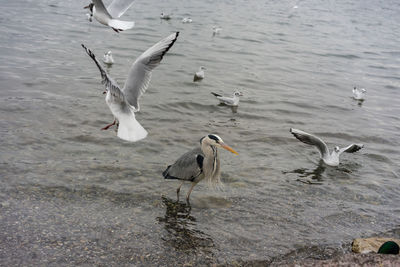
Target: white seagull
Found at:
165, 16
230, 101
331, 159
359, 94
124, 102
187, 20
199, 75
108, 58
216, 30
109, 16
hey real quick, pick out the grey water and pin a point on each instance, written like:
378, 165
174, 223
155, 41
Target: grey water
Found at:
71, 194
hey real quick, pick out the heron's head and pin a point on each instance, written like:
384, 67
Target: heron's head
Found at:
336, 149
90, 7
215, 140
238, 93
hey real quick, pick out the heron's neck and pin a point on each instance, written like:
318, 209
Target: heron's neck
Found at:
208, 150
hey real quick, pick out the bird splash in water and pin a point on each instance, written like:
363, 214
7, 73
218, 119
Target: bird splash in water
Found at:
124, 102
110, 16
198, 164
331, 159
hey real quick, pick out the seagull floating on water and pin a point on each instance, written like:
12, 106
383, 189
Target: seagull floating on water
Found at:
331, 159
165, 16
359, 94
89, 16
109, 16
198, 76
187, 20
216, 30
199, 163
230, 101
124, 102
108, 58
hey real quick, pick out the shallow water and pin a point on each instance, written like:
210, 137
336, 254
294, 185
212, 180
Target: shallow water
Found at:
72, 194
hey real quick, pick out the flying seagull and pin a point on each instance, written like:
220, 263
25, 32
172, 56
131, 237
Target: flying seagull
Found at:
230, 101
331, 159
110, 16
124, 102
198, 164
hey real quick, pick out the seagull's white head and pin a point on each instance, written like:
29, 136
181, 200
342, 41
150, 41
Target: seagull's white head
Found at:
238, 93
202, 68
336, 149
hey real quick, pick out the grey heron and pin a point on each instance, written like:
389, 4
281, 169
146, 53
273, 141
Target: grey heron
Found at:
110, 16
124, 102
331, 159
229, 101
198, 164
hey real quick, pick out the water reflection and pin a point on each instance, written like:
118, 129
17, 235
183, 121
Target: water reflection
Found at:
180, 226
312, 176
233, 108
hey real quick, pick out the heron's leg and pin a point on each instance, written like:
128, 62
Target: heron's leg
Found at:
190, 191
178, 190
108, 126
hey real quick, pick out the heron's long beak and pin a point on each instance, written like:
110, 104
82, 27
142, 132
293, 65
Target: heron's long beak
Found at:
228, 148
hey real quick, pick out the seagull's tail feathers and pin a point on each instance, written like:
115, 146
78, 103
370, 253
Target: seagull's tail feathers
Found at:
129, 129
215, 94
120, 25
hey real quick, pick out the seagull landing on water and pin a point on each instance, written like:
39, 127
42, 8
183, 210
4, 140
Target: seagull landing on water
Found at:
216, 30
109, 16
165, 16
124, 102
198, 76
331, 159
198, 164
108, 58
230, 101
359, 94
187, 20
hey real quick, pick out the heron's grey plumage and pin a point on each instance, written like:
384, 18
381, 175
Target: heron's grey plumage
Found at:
186, 167
199, 163
331, 159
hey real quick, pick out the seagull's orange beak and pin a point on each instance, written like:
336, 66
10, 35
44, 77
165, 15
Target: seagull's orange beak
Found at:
223, 145
87, 6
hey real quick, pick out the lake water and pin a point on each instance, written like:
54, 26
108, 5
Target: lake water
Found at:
72, 194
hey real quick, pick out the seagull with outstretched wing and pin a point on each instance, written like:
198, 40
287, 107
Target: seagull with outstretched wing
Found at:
331, 159
110, 16
124, 102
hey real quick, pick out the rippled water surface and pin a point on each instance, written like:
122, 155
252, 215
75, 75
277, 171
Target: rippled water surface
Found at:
73, 194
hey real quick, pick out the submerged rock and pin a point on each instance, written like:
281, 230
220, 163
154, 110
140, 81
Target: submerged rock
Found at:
367, 245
